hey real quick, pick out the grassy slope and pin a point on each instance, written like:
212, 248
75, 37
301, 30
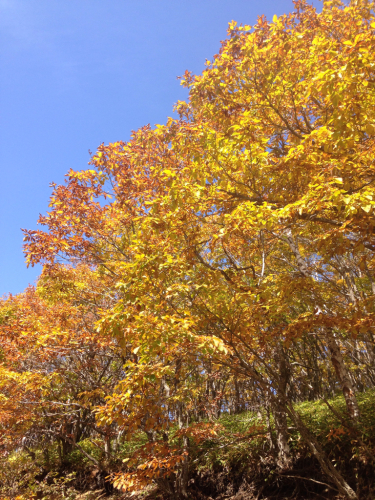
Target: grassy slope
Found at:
233, 465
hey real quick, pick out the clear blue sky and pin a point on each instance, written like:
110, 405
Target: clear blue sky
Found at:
76, 73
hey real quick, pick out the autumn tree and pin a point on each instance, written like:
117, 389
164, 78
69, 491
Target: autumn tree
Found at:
239, 235
55, 367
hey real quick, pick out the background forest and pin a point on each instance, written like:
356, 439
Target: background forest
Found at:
204, 323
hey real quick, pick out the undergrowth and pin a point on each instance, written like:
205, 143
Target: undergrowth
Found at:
240, 461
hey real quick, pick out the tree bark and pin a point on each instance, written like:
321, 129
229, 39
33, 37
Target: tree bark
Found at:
343, 377
281, 425
279, 412
183, 477
107, 447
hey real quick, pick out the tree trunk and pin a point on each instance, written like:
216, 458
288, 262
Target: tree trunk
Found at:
343, 377
282, 434
59, 452
319, 454
183, 477
272, 441
279, 412
67, 448
107, 447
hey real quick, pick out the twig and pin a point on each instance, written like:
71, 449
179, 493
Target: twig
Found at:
309, 479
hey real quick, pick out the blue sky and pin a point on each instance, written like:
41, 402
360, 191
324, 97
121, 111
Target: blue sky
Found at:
77, 73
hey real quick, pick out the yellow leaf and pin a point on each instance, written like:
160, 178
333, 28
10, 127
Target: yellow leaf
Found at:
366, 208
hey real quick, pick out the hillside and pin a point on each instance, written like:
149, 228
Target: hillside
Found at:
237, 464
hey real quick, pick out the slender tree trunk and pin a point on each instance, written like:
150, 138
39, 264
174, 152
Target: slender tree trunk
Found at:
319, 454
118, 440
272, 441
67, 447
46, 457
279, 412
183, 478
343, 376
59, 451
237, 403
107, 447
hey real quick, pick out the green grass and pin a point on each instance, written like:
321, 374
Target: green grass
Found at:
335, 438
